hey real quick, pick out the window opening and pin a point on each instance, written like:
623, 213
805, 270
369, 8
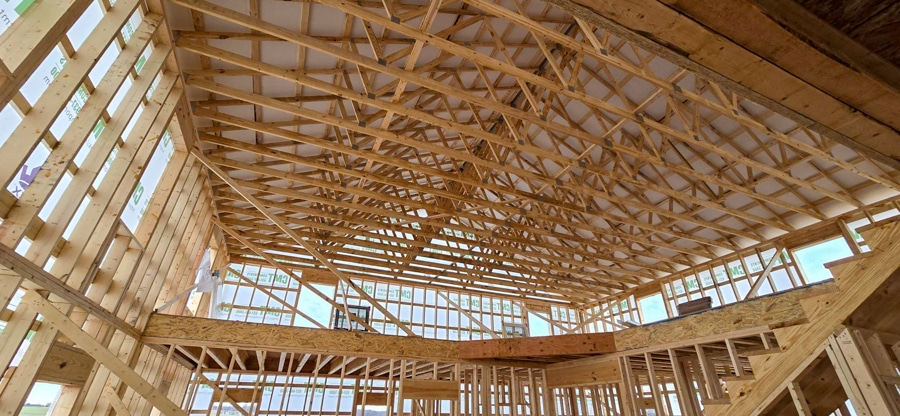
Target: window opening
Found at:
341, 321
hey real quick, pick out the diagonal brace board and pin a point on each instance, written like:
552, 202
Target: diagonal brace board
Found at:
17, 264
54, 318
274, 263
303, 243
269, 293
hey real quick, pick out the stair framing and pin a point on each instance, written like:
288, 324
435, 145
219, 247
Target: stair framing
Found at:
857, 277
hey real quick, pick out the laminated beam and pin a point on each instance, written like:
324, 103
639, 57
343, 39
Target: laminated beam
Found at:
429, 389
558, 345
199, 332
584, 374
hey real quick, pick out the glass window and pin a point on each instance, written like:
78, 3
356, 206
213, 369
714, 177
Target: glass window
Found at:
511, 330
341, 321
653, 308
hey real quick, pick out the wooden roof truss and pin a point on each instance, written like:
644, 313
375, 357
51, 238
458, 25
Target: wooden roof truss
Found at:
504, 145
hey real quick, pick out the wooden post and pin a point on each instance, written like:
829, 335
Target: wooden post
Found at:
54, 318
735, 360
683, 389
654, 384
863, 386
709, 374
115, 401
799, 399
630, 400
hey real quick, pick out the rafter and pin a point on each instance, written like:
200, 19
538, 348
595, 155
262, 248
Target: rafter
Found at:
520, 129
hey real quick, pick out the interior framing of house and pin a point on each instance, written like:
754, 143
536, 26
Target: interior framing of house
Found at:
450, 207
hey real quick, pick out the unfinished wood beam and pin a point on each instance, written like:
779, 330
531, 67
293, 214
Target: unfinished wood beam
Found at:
701, 36
770, 312
603, 371
766, 272
486, 329
417, 389
372, 64
864, 387
799, 399
556, 345
65, 364
232, 396
277, 299
115, 401
53, 318
200, 332
684, 388
14, 264
857, 278
25, 44
274, 263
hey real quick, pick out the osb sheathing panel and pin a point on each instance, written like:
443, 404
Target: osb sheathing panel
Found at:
765, 312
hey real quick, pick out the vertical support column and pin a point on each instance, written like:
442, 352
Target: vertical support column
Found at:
686, 397
654, 385
630, 401
799, 399
709, 374
548, 396
864, 387
735, 360
486, 384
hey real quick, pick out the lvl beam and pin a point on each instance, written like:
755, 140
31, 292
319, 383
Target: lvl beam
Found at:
558, 345
199, 332
765, 313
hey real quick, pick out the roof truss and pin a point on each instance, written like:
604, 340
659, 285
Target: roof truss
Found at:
504, 145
